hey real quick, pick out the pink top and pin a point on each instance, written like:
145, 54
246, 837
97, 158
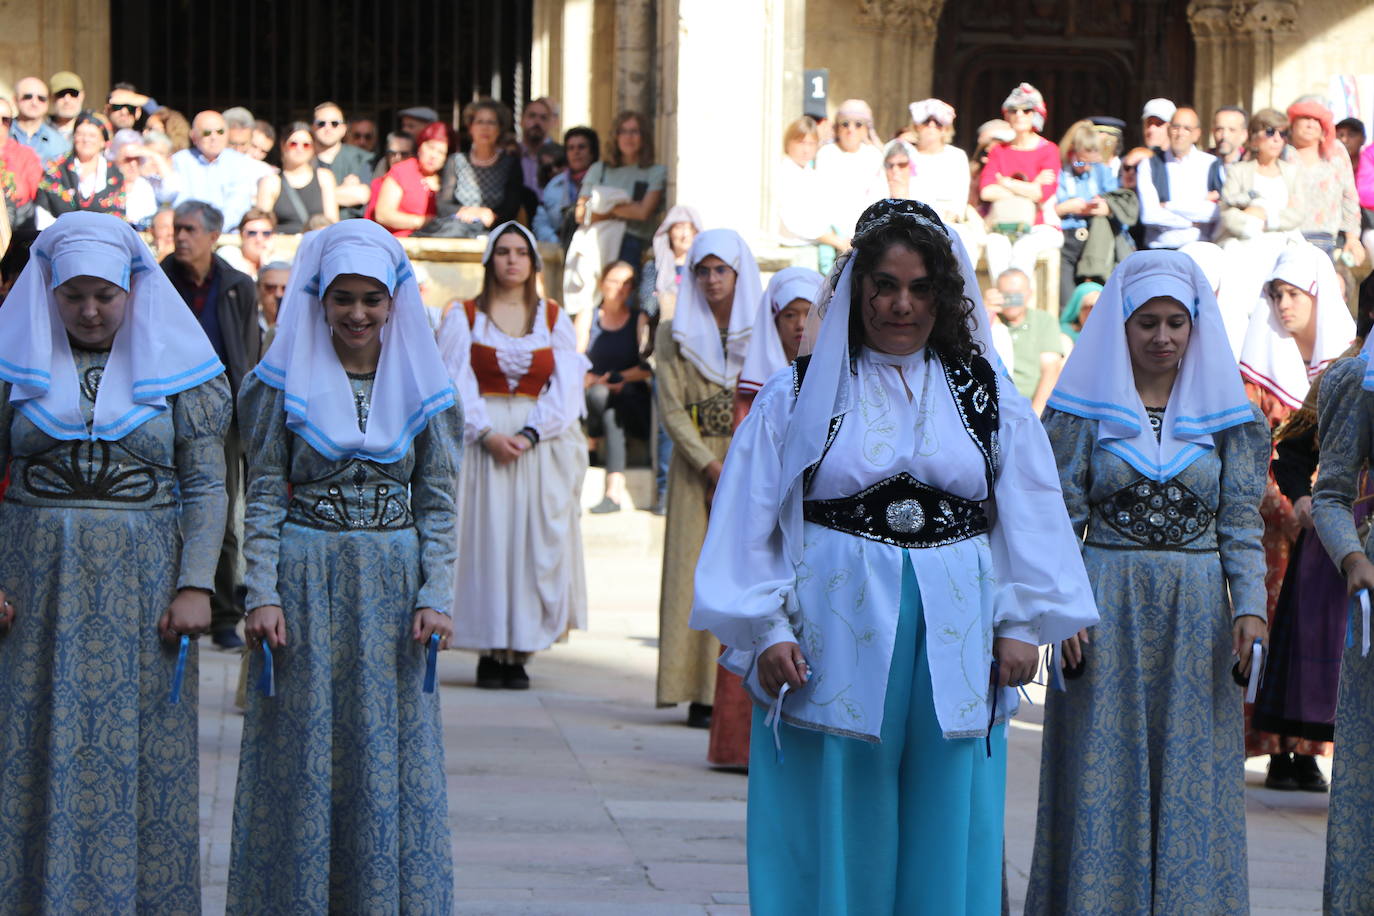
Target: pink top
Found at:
1364, 178
416, 197
1024, 165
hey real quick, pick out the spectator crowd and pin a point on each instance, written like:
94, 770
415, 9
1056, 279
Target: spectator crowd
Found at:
663, 333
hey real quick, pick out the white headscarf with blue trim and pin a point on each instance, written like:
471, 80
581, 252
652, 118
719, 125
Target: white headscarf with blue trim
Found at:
765, 354
158, 351
1098, 383
411, 384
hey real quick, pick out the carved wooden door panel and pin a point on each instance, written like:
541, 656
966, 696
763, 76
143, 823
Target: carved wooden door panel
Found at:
1087, 57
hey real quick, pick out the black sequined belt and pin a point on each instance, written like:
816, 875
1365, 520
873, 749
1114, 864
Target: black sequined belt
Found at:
901, 511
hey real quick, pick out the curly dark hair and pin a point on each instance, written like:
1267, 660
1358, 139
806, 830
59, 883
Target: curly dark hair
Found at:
952, 335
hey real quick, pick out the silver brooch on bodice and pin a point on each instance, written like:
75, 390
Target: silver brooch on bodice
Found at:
906, 516
363, 402
90, 382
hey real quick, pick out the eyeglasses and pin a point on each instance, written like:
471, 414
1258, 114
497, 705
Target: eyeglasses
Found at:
702, 271
485, 122
66, 94
123, 107
628, 132
30, 96
1272, 132
897, 165
210, 132
298, 144
328, 123
846, 124
257, 233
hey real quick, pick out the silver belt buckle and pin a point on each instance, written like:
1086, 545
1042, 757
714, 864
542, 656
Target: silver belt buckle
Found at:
905, 516
1081, 233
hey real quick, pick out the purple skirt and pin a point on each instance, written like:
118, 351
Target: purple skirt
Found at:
1297, 693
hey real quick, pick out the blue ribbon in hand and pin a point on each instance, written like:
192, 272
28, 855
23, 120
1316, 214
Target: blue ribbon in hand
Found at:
267, 681
432, 663
180, 674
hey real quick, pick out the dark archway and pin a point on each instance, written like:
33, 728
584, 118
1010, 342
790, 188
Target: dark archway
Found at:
1087, 57
281, 58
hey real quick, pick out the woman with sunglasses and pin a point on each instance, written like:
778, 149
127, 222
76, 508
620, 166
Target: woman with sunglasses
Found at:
1020, 177
257, 230
1325, 180
302, 188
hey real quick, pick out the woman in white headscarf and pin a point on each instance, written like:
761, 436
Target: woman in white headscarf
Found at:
513, 358
700, 353
773, 345
1162, 462
663, 278
1295, 332
353, 441
113, 409
672, 240
1299, 326
888, 548
778, 330
1346, 430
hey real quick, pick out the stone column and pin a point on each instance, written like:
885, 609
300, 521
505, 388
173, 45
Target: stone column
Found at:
546, 50
41, 38
900, 35
576, 61
634, 56
730, 85
1235, 51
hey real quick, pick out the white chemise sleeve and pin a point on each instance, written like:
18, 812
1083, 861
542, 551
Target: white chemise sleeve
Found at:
745, 586
455, 346
1042, 593
562, 403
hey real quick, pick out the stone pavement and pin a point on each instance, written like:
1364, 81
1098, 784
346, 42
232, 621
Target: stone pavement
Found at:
579, 797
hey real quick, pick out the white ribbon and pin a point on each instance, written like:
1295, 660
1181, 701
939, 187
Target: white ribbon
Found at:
1256, 665
1364, 622
774, 719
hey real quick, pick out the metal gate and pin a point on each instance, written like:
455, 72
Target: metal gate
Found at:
279, 58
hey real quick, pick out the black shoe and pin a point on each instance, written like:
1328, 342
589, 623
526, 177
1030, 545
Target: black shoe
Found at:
491, 674
606, 505
1308, 775
227, 638
699, 715
1281, 775
516, 678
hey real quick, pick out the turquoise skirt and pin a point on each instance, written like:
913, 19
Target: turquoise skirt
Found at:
909, 825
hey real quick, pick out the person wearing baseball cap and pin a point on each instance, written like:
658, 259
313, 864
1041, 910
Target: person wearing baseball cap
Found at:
68, 98
1154, 122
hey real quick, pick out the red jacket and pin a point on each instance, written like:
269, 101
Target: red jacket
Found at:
23, 163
